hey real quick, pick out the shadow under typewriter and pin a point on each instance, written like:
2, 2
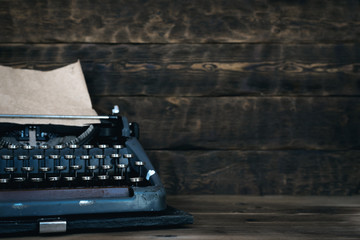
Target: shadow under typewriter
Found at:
64, 178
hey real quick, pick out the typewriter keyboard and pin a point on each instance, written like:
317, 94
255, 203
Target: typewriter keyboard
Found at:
71, 166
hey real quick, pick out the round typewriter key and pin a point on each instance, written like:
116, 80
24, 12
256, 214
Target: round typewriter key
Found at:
10, 169
86, 178
60, 168
87, 146
73, 146
118, 146
59, 147
27, 169
44, 169
69, 179
6, 157
19, 179
75, 167
36, 180
136, 179
139, 163
69, 157
39, 157
54, 179
128, 155
85, 157
27, 147
103, 146
4, 180
103, 177
121, 165
115, 155
118, 178
13, 146
54, 156
100, 156
44, 146
92, 167
23, 157
106, 167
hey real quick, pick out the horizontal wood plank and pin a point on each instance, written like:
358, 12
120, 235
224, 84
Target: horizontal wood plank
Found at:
247, 217
178, 22
247, 123
201, 69
259, 172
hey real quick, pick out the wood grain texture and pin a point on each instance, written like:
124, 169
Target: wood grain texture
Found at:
249, 218
259, 172
178, 22
267, 123
201, 69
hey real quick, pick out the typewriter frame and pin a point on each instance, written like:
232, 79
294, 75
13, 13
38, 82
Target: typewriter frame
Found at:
15, 203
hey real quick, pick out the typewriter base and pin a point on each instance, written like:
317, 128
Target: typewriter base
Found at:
97, 222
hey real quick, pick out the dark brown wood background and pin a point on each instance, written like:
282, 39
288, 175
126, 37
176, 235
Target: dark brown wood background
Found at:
232, 97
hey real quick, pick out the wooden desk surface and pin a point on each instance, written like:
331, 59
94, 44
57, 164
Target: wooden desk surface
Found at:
247, 217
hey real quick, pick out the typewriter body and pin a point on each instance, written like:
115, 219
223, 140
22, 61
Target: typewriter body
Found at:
49, 172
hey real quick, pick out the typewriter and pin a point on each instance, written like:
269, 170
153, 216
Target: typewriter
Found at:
57, 178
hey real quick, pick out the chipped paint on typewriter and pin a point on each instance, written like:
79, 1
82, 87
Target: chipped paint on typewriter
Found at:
57, 178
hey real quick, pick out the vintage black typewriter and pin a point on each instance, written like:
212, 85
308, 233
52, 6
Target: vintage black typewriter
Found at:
57, 178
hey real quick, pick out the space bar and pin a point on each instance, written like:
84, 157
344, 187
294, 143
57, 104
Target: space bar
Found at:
63, 194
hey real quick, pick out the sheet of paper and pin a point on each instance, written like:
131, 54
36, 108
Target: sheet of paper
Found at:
62, 91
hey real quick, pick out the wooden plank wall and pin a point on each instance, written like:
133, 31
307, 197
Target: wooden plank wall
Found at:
233, 97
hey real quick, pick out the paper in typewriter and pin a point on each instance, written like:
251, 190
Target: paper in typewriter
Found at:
62, 91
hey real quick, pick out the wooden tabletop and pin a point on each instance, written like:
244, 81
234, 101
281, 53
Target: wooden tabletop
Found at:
250, 217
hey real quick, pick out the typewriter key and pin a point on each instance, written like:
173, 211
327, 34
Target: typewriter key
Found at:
19, 179
27, 169
4, 180
39, 157
86, 178
10, 169
75, 167
44, 169
74, 146
118, 146
92, 167
60, 168
121, 165
106, 167
136, 180
44, 147
23, 157
27, 147
85, 157
103, 177
118, 178
139, 163
103, 146
6, 157
69, 179
100, 156
115, 155
69, 157
54, 156
88, 146
54, 179
128, 155
13, 147
59, 147
36, 180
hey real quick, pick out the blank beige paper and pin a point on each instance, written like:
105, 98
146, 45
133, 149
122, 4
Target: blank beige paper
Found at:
61, 91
